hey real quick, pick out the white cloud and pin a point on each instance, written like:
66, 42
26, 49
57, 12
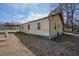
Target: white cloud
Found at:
34, 16
18, 16
22, 6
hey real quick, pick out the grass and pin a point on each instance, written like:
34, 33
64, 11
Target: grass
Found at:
41, 46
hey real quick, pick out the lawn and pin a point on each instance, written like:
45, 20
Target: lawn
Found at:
41, 46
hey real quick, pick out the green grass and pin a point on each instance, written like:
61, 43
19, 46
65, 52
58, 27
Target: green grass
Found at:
41, 46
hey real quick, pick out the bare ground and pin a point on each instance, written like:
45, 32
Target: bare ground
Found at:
13, 47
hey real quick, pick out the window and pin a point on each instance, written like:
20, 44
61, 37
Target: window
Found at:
22, 27
38, 26
28, 27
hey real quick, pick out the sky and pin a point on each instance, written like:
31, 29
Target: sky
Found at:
24, 12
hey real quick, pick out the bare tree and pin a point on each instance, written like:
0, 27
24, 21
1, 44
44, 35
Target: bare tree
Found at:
70, 11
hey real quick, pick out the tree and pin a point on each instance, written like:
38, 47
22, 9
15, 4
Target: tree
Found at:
70, 11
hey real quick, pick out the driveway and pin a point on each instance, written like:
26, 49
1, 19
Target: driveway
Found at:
13, 47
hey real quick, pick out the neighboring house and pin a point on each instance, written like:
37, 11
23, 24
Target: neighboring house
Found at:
48, 26
10, 27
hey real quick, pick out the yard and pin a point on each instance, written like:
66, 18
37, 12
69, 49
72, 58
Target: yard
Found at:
39, 45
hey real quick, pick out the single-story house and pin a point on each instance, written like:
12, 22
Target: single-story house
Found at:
10, 27
48, 26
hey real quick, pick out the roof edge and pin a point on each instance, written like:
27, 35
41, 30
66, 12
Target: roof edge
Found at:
41, 18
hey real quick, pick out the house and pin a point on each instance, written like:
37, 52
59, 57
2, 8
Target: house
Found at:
12, 28
48, 26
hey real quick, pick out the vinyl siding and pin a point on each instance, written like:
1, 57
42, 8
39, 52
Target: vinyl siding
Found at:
44, 27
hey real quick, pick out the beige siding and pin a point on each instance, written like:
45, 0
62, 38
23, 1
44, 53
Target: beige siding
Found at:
44, 24
56, 26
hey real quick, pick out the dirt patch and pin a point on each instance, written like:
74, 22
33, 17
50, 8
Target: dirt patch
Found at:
13, 47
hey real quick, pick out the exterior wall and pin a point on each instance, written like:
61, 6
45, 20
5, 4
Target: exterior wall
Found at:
59, 26
44, 27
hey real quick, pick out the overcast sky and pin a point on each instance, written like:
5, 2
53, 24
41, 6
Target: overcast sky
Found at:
24, 12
